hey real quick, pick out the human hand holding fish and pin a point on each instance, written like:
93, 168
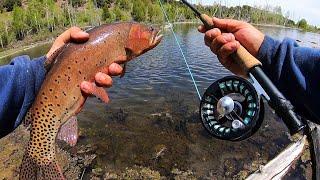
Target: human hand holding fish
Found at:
76, 35
77, 62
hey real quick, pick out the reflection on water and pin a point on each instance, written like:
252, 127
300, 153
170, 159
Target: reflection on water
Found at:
152, 119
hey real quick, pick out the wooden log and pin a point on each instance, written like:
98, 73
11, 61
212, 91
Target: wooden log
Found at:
315, 146
280, 165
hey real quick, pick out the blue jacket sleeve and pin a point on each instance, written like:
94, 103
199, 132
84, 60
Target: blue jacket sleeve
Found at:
296, 72
19, 83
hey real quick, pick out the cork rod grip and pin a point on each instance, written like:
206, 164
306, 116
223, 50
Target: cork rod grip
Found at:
242, 57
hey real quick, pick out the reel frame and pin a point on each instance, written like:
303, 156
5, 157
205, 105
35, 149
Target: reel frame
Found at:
252, 116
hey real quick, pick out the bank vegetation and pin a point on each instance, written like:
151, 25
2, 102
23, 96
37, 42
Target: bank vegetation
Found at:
39, 19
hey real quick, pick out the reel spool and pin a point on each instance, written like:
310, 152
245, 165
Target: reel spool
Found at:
231, 109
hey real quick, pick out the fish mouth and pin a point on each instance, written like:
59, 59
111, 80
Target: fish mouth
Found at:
156, 38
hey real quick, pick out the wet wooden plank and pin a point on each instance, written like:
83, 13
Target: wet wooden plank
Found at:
315, 135
280, 165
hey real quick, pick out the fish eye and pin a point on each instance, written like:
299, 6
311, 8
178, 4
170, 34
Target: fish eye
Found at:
151, 29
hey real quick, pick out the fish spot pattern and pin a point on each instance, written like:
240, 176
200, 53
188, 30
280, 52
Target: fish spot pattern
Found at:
43, 134
61, 90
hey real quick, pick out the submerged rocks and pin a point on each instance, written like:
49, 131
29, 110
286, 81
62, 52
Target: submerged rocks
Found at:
160, 150
97, 171
109, 176
181, 175
139, 172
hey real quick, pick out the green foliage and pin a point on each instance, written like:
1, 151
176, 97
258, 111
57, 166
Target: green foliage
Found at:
155, 13
139, 11
124, 4
35, 15
76, 3
19, 26
120, 15
170, 11
107, 14
303, 24
90, 14
9, 4
103, 3
45, 16
4, 35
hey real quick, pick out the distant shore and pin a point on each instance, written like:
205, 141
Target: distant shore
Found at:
29, 44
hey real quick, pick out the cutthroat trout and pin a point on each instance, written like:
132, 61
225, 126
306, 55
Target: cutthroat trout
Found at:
60, 97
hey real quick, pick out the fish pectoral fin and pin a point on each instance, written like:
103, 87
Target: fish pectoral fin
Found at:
100, 93
129, 52
69, 131
124, 68
31, 170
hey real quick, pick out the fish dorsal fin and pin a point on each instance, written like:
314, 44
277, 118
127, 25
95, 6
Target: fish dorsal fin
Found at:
69, 131
27, 119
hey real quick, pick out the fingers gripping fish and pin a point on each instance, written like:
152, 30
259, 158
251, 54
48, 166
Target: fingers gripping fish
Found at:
60, 97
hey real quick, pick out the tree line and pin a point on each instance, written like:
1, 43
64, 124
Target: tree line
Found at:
21, 18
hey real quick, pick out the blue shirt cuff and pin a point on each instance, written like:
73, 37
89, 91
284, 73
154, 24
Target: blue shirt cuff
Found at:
35, 76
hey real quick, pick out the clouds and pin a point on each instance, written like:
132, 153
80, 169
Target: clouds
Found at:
308, 9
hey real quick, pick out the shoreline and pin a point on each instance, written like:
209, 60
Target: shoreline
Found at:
21, 45
23, 48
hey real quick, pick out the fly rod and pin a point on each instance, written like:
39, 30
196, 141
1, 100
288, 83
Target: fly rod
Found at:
251, 65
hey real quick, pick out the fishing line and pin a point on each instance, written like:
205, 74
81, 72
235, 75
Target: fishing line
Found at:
184, 57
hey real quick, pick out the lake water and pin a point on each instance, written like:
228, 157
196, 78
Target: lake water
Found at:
154, 108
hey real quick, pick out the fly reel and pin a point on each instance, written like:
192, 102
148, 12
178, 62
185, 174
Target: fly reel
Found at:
231, 109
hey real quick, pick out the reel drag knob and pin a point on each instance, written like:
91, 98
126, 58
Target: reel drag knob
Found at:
231, 109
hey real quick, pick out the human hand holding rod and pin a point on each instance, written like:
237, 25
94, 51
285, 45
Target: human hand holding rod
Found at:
241, 62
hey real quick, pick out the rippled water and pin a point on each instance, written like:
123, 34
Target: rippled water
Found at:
155, 105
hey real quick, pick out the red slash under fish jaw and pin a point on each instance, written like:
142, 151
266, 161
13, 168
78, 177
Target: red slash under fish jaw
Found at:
142, 39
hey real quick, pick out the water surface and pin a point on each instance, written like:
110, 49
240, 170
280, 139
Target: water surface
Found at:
155, 108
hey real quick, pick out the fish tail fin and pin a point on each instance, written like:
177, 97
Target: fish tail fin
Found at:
30, 170
52, 171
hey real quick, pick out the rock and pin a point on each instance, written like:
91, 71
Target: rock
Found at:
305, 156
168, 115
156, 115
97, 171
138, 172
108, 176
94, 178
176, 171
87, 149
160, 149
241, 175
179, 175
88, 159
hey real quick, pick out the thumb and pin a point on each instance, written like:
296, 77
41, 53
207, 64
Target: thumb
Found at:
228, 25
74, 34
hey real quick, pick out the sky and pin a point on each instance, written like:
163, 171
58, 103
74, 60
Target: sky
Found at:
308, 9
